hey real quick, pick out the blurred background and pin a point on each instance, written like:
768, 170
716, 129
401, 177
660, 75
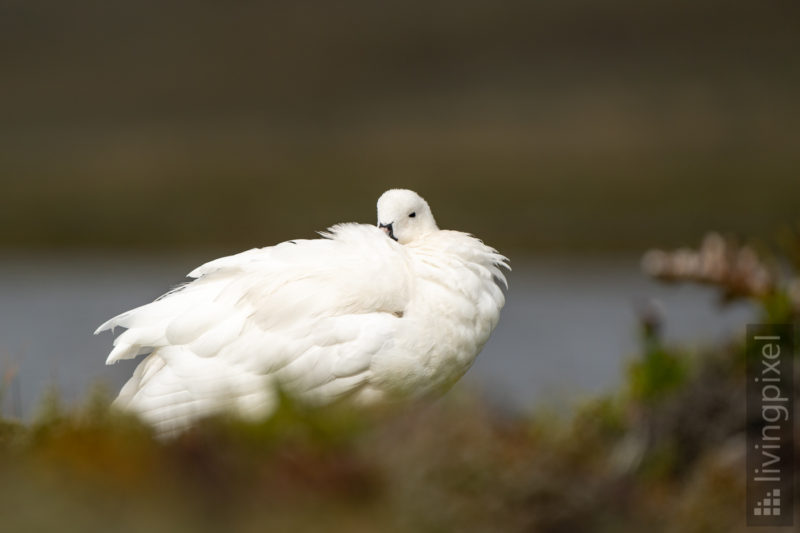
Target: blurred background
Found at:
139, 139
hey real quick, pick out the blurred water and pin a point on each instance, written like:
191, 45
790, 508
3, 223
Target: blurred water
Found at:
566, 332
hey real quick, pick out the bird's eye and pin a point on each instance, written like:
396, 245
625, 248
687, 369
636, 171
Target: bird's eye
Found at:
412, 215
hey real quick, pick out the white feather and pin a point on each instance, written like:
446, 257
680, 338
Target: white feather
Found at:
354, 314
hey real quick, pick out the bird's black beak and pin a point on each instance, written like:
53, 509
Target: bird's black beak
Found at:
387, 228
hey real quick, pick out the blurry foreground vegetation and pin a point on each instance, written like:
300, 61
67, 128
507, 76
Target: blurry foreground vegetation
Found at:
664, 454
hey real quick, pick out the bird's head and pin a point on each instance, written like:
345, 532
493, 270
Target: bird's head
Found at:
404, 215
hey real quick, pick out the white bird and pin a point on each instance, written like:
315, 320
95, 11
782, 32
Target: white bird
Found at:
365, 314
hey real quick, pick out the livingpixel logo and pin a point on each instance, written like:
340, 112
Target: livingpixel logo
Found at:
770, 424
770, 505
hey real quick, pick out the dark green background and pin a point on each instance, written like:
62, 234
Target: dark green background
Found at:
565, 125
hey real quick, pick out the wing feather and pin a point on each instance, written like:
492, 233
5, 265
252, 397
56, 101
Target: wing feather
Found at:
308, 315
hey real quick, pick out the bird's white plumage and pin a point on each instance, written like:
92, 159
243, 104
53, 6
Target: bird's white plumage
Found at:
354, 315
